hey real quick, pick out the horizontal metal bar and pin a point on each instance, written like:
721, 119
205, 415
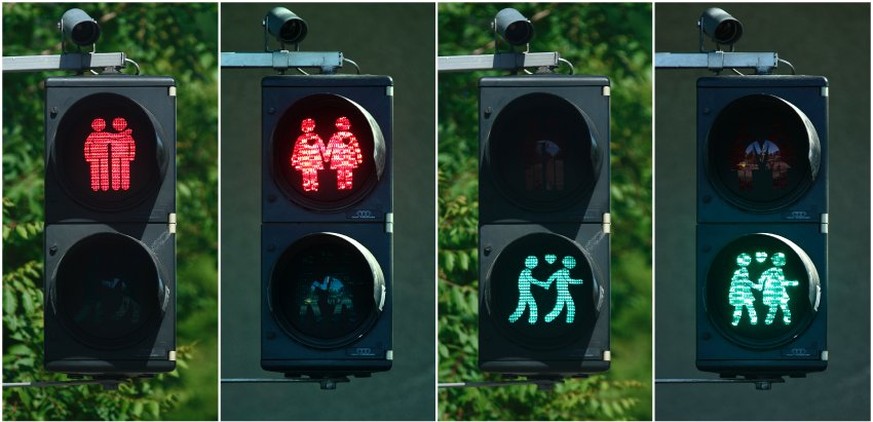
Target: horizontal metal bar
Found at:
272, 380
500, 61
109, 384
328, 383
66, 61
282, 60
760, 383
478, 384
718, 60
714, 380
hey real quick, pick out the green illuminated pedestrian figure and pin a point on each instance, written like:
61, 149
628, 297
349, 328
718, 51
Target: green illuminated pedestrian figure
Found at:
525, 297
740, 292
761, 257
775, 295
562, 282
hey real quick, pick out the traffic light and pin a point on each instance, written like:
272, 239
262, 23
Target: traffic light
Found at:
544, 225
110, 187
762, 225
326, 225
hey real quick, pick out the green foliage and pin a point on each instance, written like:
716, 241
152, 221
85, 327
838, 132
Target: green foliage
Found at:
177, 40
600, 39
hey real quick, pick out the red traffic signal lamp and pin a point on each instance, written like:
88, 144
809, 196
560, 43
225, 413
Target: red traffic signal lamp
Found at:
762, 225
110, 149
327, 225
544, 224
110, 225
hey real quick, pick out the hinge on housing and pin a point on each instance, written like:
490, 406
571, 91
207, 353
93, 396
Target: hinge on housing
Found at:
172, 91
389, 222
606, 91
607, 223
607, 355
172, 223
389, 91
171, 355
824, 223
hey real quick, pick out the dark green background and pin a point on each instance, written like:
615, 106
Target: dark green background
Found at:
828, 40
384, 39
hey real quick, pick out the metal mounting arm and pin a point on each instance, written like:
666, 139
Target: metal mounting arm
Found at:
761, 384
499, 61
67, 61
328, 62
763, 63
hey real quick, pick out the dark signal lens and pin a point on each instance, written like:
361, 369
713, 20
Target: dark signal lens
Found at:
86, 33
326, 290
543, 153
108, 290
763, 152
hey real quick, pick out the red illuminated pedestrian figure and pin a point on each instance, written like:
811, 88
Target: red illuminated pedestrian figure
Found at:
745, 172
97, 155
778, 171
544, 169
343, 153
122, 152
307, 156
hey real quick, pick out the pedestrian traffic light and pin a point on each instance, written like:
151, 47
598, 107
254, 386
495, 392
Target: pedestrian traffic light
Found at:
110, 225
544, 225
762, 225
326, 225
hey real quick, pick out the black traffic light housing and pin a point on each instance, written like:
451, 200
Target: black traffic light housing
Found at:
762, 225
326, 228
792, 107
110, 282
572, 109
544, 217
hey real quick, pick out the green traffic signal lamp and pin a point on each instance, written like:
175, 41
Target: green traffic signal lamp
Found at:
555, 297
762, 290
544, 225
